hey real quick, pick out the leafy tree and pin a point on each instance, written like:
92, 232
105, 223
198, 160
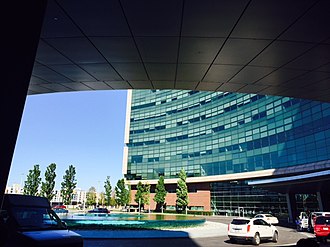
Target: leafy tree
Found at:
108, 190
101, 199
147, 194
139, 194
182, 199
160, 194
128, 196
142, 196
32, 182
91, 196
122, 193
112, 201
69, 184
47, 187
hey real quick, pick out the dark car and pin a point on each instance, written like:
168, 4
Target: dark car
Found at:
61, 210
99, 210
30, 221
322, 228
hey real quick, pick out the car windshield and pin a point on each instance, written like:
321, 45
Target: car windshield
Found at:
35, 218
240, 222
260, 222
323, 220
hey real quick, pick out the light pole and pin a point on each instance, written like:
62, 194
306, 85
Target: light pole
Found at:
240, 209
21, 183
97, 193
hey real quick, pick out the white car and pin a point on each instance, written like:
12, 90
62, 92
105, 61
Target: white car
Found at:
253, 230
268, 218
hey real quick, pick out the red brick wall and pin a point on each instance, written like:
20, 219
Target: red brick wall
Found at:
199, 198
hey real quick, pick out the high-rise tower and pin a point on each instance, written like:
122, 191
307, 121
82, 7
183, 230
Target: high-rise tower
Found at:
223, 141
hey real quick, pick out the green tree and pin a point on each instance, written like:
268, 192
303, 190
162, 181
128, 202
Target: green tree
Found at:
122, 193
128, 195
69, 184
101, 200
147, 194
91, 197
108, 190
113, 201
142, 196
31, 185
160, 193
139, 194
182, 199
47, 187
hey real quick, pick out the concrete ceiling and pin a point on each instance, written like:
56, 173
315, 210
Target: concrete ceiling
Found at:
275, 47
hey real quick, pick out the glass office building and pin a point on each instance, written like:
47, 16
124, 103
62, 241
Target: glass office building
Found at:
221, 136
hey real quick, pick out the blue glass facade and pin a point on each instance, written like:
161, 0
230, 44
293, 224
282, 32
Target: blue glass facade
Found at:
215, 133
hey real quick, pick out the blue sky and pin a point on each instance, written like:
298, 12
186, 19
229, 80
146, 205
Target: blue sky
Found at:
84, 129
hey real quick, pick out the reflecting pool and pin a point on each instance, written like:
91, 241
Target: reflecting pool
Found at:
129, 221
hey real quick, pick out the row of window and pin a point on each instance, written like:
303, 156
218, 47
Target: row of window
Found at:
222, 109
233, 102
252, 163
231, 120
227, 197
236, 123
158, 96
314, 127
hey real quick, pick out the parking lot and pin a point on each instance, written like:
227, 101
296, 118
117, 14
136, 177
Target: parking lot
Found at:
287, 237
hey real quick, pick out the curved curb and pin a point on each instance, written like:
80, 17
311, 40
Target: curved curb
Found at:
209, 229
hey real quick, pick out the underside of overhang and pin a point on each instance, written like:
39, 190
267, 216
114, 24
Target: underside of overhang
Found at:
300, 184
246, 46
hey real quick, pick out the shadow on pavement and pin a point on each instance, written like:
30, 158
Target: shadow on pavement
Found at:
166, 242
140, 238
128, 234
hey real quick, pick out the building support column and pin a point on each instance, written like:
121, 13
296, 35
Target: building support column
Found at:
292, 206
324, 199
22, 22
319, 200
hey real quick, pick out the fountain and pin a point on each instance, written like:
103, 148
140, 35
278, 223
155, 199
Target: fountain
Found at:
116, 221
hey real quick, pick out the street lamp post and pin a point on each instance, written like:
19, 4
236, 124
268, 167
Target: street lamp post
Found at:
97, 193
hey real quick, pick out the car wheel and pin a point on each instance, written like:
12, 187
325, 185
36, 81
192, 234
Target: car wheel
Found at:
256, 239
233, 241
319, 239
275, 237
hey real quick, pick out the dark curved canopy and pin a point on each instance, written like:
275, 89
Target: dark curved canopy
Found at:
275, 47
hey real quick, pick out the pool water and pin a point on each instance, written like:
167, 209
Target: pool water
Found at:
130, 221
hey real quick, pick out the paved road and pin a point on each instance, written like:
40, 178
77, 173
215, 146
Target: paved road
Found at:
287, 237
173, 242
